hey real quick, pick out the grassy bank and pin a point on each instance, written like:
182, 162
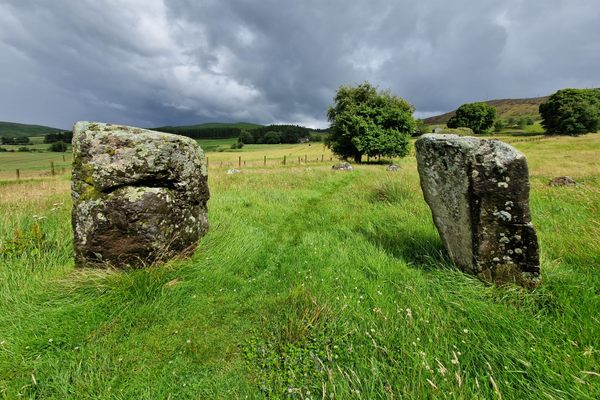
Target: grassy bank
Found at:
311, 283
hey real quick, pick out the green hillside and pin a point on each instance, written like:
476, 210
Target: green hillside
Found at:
13, 129
505, 109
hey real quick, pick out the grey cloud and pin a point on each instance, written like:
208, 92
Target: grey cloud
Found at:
155, 62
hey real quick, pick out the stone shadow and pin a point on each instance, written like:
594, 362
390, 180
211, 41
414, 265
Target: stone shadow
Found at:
420, 248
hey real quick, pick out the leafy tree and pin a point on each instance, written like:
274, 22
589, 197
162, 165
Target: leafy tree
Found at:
272, 137
246, 137
477, 116
365, 121
15, 140
58, 147
571, 112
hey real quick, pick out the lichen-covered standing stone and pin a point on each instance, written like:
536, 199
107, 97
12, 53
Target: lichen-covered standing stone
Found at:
139, 196
478, 192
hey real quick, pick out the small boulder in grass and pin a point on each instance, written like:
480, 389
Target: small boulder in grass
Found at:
563, 181
232, 171
343, 166
139, 196
393, 168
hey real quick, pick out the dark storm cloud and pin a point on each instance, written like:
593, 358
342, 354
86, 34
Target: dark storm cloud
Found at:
153, 62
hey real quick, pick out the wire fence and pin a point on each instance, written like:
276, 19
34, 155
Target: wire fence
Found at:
52, 168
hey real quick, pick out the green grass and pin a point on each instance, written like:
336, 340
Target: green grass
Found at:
210, 145
13, 129
32, 164
311, 283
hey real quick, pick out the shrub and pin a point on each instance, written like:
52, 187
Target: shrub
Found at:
58, 147
421, 128
499, 125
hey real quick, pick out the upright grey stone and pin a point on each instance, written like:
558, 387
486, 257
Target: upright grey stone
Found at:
478, 192
139, 196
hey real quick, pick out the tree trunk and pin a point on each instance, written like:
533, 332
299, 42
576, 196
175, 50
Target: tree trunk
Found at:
358, 158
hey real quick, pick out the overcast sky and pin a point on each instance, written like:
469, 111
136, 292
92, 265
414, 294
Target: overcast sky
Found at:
157, 62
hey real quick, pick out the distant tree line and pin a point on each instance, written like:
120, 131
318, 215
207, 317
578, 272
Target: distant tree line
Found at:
274, 134
15, 140
66, 136
202, 132
263, 134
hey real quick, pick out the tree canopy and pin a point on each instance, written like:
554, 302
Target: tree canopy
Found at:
477, 116
365, 121
571, 112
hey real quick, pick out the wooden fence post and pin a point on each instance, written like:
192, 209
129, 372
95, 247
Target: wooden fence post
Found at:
206, 162
240, 162
284, 157
52, 171
265, 160
321, 157
305, 159
18, 174
299, 160
64, 160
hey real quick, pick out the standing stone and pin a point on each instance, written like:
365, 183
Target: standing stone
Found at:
478, 192
139, 196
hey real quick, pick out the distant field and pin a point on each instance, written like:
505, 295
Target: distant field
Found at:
216, 144
310, 284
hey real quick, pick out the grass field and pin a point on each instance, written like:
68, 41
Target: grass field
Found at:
311, 283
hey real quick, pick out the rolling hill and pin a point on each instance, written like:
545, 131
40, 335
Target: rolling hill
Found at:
14, 129
505, 109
